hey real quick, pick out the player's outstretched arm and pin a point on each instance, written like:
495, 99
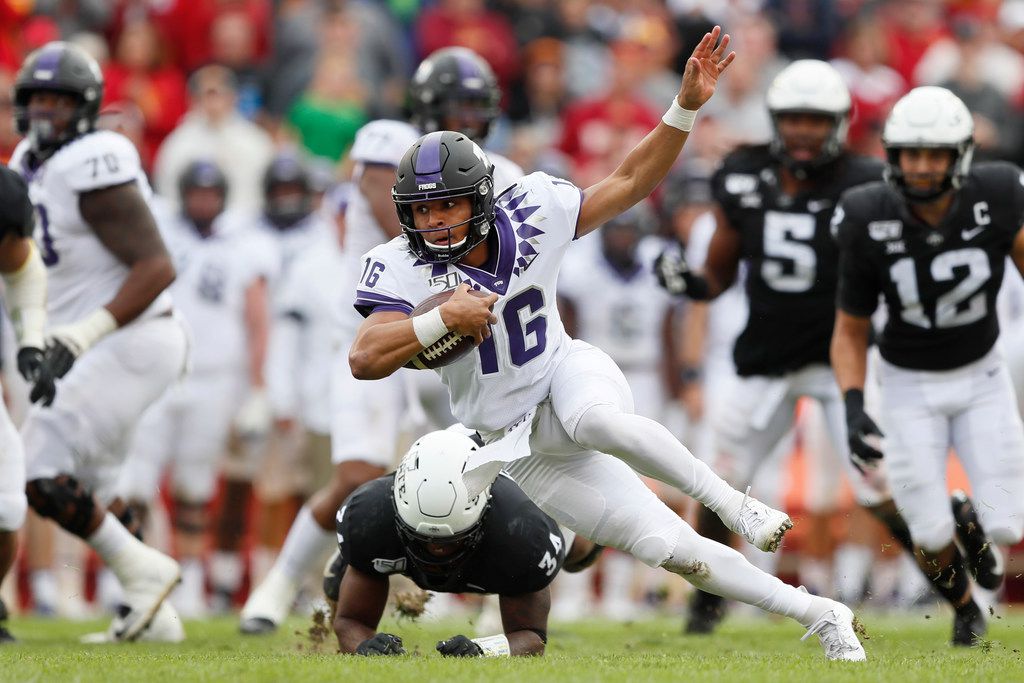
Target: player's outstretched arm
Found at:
849, 361
525, 620
649, 162
387, 340
361, 602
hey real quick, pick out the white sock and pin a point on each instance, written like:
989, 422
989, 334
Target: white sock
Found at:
305, 543
44, 589
617, 573
571, 594
226, 570
110, 539
816, 575
650, 449
719, 569
193, 576
852, 566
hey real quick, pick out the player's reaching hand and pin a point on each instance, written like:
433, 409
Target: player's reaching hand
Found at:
675, 276
459, 646
381, 644
862, 432
469, 314
703, 68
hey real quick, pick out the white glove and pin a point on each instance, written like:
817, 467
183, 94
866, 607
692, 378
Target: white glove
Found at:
255, 416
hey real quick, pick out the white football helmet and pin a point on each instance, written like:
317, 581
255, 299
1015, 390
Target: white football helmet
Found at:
929, 117
432, 503
810, 86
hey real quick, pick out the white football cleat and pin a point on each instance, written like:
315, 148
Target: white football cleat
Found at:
837, 630
147, 577
269, 604
164, 627
762, 526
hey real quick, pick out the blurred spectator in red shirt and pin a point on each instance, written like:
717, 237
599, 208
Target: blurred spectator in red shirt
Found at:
910, 28
874, 87
8, 133
190, 26
21, 33
141, 73
598, 133
470, 24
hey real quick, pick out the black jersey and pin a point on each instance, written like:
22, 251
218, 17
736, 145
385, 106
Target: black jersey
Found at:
520, 551
791, 256
16, 217
939, 284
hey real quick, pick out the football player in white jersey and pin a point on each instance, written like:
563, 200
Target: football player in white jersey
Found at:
223, 267
25, 282
557, 413
452, 88
114, 340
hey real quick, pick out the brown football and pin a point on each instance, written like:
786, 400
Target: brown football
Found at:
448, 348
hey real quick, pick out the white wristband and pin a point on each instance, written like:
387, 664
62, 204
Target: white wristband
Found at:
680, 118
494, 646
429, 327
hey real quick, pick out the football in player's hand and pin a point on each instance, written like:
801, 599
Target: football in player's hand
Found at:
448, 348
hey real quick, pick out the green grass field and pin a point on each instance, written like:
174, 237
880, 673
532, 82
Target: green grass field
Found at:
904, 649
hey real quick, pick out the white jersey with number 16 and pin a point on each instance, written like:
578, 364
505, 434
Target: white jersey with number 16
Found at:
510, 373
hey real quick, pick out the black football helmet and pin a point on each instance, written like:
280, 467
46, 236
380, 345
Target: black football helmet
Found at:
202, 174
441, 165
284, 210
64, 68
454, 83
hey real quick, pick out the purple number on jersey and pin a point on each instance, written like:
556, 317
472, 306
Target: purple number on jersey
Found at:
50, 257
519, 351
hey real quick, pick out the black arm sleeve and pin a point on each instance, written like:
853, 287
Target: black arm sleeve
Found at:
16, 213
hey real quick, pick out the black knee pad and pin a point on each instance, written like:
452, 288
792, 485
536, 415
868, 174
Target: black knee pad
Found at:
64, 500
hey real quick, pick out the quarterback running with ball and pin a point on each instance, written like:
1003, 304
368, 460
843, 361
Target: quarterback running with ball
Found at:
556, 413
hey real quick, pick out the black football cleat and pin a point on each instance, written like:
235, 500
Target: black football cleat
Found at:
983, 558
5, 635
257, 626
706, 613
969, 626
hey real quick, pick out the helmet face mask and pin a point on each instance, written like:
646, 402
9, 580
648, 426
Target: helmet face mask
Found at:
445, 165
287, 191
439, 524
454, 89
929, 118
809, 87
59, 68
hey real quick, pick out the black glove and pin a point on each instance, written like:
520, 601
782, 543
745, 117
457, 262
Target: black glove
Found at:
675, 276
858, 428
459, 646
33, 367
30, 362
380, 644
59, 358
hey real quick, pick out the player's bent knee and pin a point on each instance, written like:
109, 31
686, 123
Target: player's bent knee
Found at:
933, 536
13, 507
64, 500
598, 430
